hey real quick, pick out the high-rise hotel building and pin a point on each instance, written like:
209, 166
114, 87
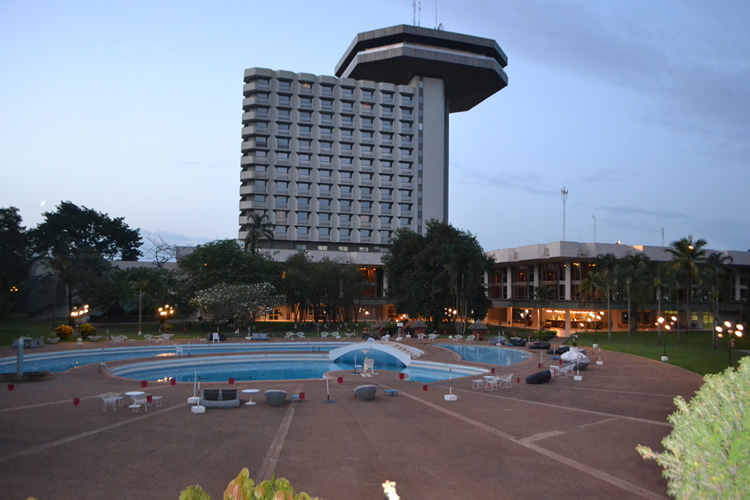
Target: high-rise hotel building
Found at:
338, 163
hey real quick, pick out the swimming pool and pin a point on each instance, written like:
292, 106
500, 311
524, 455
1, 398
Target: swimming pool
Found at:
488, 355
302, 360
60, 361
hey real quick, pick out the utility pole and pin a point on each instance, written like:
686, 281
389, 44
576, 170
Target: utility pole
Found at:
564, 193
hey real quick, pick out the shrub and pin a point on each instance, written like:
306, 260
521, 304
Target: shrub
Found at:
86, 330
166, 328
64, 331
707, 454
244, 488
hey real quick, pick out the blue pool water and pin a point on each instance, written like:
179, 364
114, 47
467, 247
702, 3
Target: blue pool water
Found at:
59, 361
250, 362
489, 355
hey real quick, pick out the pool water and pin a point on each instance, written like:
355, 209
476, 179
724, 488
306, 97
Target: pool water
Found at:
489, 355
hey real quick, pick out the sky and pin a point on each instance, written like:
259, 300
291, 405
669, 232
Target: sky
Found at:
640, 110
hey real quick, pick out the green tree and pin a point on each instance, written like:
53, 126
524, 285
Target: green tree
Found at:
298, 284
606, 267
241, 303
78, 242
256, 229
707, 454
635, 279
714, 277
687, 256
15, 258
444, 269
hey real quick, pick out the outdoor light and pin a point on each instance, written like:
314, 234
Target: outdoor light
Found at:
667, 324
731, 329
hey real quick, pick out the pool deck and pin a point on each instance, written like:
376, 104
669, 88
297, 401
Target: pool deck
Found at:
563, 439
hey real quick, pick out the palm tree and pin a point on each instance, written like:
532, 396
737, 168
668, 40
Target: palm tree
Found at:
542, 296
663, 278
687, 255
713, 276
607, 268
634, 271
258, 228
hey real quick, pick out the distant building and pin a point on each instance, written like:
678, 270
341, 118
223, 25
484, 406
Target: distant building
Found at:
338, 163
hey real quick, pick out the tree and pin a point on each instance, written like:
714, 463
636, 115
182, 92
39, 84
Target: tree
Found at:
15, 257
715, 275
298, 284
707, 454
444, 269
240, 303
541, 299
634, 273
160, 251
607, 265
77, 242
257, 228
687, 256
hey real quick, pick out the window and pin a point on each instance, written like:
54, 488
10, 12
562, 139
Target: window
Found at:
406, 114
283, 142
405, 152
404, 180
368, 122
366, 193
261, 127
285, 100
263, 83
387, 98
386, 180
282, 157
324, 233
386, 208
405, 208
386, 152
367, 108
347, 135
261, 155
304, 158
347, 92
346, 162
324, 175
368, 135
404, 221
365, 162
305, 87
387, 124
326, 147
346, 148
366, 149
347, 107
305, 116
261, 142
386, 165
260, 170
407, 100
281, 217
326, 133
326, 105
285, 115
303, 203
303, 232
386, 194
303, 188
305, 145
259, 199
285, 86
345, 220
282, 202
365, 207
305, 102
305, 130
303, 173
279, 231
387, 111
385, 235
365, 220
325, 204
345, 234
347, 121
325, 159
284, 129
386, 139
346, 191
303, 218
261, 112
406, 127
367, 95
346, 176
326, 118
282, 172
259, 186
324, 219
324, 190
346, 205
326, 91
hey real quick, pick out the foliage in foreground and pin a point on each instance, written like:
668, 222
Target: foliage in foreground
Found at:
244, 488
707, 454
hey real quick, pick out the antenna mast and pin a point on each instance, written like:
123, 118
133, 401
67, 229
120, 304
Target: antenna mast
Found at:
564, 193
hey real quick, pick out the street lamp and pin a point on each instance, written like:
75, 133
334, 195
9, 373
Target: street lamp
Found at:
76, 314
667, 324
595, 318
730, 328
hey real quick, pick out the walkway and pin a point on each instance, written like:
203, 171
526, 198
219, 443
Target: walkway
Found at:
564, 439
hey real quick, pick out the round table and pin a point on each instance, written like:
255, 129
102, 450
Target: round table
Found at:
250, 393
134, 395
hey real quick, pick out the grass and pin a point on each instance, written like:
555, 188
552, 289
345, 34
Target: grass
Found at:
693, 352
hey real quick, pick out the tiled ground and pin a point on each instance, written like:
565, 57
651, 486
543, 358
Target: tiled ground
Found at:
564, 439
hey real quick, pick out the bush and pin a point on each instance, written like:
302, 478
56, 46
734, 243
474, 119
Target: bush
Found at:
707, 454
64, 331
243, 487
86, 330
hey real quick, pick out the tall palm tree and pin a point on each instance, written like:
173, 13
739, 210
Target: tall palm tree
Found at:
634, 271
663, 278
542, 296
258, 228
713, 277
607, 266
687, 256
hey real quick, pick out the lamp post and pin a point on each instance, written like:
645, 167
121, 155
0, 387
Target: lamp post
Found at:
667, 324
164, 314
730, 329
595, 318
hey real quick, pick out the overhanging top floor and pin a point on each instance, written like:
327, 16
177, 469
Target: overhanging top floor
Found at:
471, 67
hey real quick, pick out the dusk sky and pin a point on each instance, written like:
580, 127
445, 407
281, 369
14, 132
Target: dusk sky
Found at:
639, 108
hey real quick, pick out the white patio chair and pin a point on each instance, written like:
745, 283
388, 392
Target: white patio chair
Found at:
178, 352
323, 335
368, 367
289, 335
215, 337
111, 399
300, 335
505, 381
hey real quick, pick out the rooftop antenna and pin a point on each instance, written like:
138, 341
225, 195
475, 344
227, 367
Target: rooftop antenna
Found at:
564, 193
438, 26
416, 5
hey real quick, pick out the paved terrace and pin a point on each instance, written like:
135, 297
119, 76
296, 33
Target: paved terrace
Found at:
564, 439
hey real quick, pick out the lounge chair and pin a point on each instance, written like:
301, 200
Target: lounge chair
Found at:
365, 392
275, 397
289, 335
323, 335
368, 367
301, 335
148, 337
505, 381
261, 336
111, 399
562, 371
220, 398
